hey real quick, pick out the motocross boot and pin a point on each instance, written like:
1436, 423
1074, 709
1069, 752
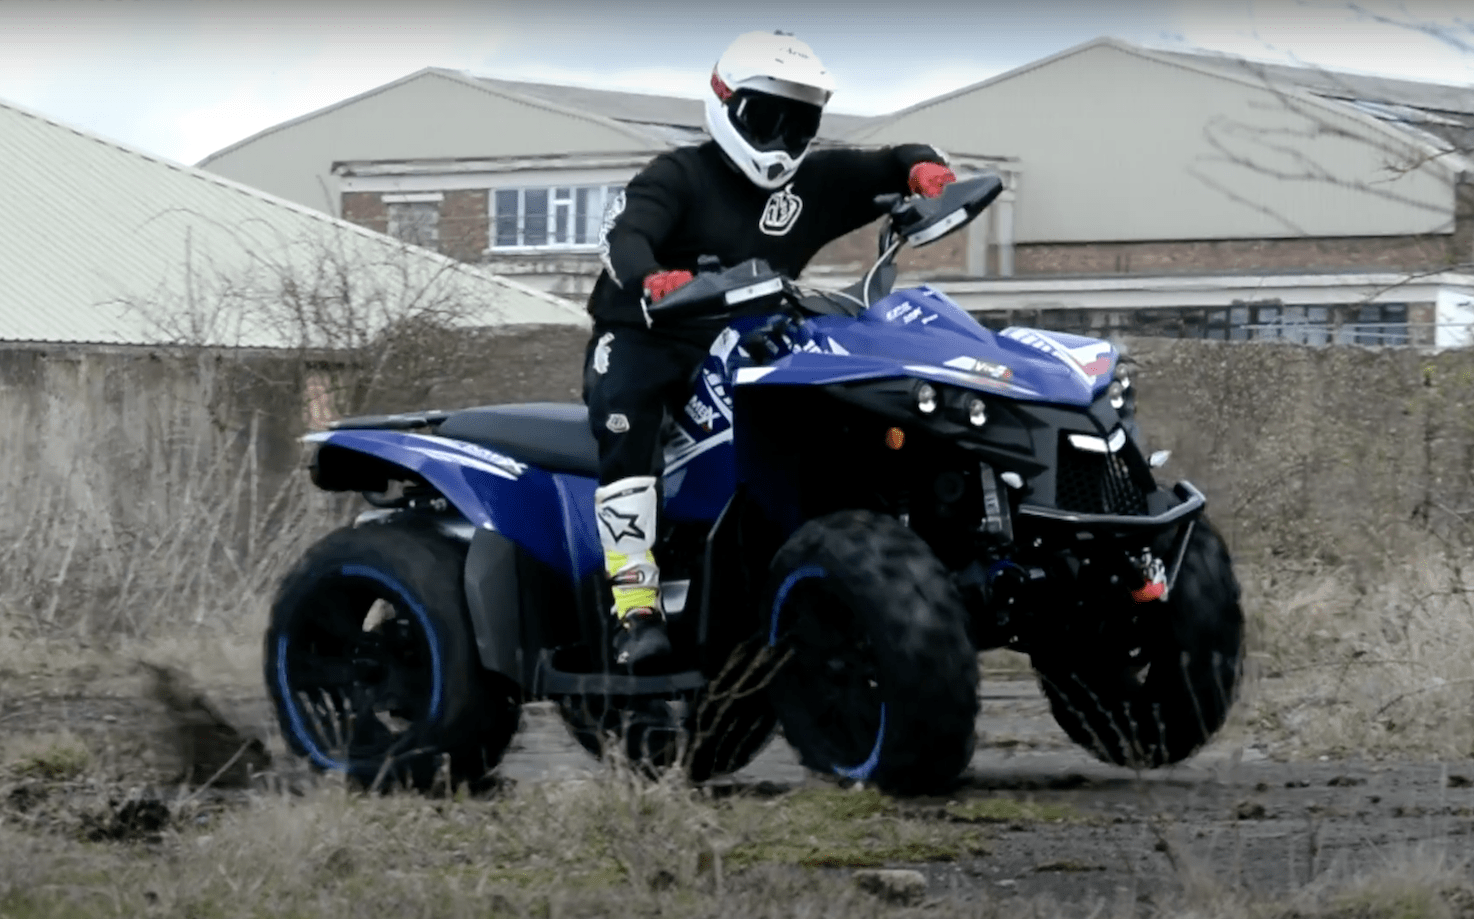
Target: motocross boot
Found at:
626, 512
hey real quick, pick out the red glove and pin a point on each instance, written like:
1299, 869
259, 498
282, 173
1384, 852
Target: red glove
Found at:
660, 283
928, 179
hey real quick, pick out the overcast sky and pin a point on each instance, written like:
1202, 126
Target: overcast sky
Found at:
185, 79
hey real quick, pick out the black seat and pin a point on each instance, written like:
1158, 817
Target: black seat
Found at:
552, 435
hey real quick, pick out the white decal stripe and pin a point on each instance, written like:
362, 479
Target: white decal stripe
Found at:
752, 374
426, 446
677, 462
460, 459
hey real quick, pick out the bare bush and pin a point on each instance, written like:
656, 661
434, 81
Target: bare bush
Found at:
182, 505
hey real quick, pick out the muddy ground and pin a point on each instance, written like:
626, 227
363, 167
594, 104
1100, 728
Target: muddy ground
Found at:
1228, 817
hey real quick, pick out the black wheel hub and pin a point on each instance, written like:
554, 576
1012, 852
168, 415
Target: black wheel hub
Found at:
360, 691
833, 666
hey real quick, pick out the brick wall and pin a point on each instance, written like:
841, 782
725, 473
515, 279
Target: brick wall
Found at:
464, 223
854, 252
367, 209
1232, 256
948, 258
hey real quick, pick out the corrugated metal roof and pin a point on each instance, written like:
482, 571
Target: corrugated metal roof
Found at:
104, 243
646, 109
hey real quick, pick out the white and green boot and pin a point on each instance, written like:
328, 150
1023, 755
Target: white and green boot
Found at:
627, 514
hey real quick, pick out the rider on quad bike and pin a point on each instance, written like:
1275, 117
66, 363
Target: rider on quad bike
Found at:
753, 191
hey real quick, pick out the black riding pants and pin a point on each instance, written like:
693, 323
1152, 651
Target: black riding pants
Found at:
632, 377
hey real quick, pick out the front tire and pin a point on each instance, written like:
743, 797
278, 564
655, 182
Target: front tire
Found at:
370, 662
880, 680
1162, 707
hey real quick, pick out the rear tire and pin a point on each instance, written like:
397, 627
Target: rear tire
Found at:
879, 680
370, 661
1162, 707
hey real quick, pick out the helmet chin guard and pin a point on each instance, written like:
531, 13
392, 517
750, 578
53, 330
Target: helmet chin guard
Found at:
768, 91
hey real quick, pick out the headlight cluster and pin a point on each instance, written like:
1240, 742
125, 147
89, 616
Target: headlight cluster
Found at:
928, 400
1119, 390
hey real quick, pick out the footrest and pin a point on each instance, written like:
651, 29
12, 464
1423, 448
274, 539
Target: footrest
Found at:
549, 681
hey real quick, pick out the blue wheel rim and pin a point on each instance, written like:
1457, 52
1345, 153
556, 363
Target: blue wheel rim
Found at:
401, 596
866, 769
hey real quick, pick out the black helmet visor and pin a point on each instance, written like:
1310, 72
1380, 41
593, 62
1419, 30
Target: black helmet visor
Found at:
771, 122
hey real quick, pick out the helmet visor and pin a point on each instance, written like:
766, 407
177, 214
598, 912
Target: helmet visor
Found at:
770, 122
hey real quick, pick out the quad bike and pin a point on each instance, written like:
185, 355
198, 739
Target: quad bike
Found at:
865, 489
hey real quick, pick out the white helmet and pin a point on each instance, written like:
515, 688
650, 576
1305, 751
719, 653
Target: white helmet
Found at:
768, 92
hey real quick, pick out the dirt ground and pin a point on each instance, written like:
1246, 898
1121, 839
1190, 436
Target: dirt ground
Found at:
1229, 817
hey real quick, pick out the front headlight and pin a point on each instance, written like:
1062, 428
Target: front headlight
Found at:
977, 413
1123, 375
926, 398
1117, 394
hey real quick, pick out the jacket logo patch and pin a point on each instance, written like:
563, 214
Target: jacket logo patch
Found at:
612, 210
781, 212
601, 353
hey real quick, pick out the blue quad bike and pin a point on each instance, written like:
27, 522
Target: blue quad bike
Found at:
865, 489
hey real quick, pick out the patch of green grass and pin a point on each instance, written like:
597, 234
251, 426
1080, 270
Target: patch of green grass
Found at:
835, 828
51, 758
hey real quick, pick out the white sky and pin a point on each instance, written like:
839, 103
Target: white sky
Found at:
185, 79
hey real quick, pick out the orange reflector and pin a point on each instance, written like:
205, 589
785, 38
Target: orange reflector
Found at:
895, 438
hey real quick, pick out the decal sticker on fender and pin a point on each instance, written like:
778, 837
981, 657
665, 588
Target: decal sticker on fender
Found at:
907, 314
1090, 360
986, 368
701, 413
490, 457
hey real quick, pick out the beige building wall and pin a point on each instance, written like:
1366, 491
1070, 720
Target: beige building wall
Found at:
430, 115
1118, 145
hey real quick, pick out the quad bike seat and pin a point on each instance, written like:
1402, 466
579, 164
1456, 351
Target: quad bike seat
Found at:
552, 435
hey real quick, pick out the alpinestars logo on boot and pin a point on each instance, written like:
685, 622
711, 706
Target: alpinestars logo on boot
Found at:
781, 212
621, 525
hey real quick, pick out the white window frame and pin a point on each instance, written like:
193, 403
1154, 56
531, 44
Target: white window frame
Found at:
606, 189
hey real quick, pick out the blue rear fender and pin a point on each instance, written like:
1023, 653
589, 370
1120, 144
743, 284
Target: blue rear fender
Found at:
549, 515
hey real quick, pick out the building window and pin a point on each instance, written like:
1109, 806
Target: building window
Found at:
1373, 324
563, 217
415, 219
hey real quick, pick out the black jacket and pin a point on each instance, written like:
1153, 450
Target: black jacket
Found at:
691, 202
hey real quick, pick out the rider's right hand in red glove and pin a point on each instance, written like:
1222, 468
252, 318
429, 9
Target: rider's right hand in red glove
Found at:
928, 179
660, 283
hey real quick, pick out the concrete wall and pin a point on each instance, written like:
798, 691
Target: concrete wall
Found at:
1332, 454
122, 424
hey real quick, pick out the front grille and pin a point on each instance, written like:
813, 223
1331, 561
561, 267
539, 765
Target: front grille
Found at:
1095, 483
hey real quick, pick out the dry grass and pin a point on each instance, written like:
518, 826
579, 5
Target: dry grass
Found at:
106, 547
1348, 663
614, 845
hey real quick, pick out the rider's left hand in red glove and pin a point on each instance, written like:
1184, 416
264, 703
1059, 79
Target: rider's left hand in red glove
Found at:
660, 283
928, 179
